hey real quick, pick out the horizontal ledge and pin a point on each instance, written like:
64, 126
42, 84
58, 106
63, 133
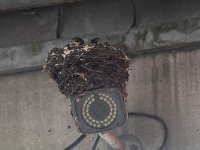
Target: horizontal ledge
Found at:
14, 5
173, 36
185, 47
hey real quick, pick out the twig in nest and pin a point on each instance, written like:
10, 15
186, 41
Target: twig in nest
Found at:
75, 67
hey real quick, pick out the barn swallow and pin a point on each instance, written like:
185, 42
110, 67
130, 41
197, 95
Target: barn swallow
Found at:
77, 40
95, 40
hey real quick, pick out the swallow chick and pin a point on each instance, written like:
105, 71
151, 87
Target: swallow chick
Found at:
77, 40
95, 40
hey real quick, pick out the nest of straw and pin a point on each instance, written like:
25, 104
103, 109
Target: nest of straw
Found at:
77, 68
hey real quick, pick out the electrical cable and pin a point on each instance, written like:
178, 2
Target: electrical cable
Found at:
134, 13
59, 21
156, 118
96, 142
130, 114
75, 143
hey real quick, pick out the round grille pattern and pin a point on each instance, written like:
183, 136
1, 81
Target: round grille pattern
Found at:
99, 111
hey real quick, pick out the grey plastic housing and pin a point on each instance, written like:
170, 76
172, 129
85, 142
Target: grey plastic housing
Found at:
77, 104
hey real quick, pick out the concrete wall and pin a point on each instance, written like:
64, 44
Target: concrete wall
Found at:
35, 116
86, 17
175, 35
167, 85
66, 21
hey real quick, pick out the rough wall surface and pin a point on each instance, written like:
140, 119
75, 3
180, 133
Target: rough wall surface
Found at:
64, 21
167, 85
35, 116
182, 33
90, 17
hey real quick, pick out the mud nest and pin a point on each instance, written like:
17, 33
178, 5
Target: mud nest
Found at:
77, 68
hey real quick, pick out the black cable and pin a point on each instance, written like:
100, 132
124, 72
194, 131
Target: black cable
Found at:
133, 114
137, 114
75, 143
161, 121
134, 13
96, 142
59, 21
